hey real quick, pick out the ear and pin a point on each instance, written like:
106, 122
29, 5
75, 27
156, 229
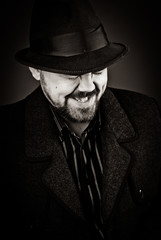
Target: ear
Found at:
35, 73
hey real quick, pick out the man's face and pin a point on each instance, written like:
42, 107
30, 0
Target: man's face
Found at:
75, 98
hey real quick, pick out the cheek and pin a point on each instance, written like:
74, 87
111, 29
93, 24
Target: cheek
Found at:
101, 84
104, 86
49, 90
59, 92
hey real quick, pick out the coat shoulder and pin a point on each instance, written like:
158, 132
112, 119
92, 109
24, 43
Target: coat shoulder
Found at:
131, 96
138, 103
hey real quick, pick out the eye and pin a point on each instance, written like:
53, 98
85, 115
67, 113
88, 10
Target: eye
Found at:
97, 73
73, 77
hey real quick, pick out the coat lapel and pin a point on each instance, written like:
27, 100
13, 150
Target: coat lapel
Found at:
39, 127
42, 143
116, 128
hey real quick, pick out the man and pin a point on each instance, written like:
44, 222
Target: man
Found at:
80, 160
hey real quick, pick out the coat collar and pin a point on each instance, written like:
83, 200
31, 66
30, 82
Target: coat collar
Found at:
42, 142
40, 131
39, 127
114, 117
116, 128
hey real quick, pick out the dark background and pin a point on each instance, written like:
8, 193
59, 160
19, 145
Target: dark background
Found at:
134, 23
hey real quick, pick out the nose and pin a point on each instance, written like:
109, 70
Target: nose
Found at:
86, 83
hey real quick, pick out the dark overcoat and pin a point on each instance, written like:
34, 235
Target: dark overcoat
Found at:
39, 199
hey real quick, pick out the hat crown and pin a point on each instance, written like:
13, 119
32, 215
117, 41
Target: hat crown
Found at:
66, 36
56, 17
65, 28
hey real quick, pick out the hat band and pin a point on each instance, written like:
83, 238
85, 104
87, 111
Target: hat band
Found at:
71, 44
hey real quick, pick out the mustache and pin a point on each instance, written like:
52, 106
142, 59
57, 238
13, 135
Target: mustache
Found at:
83, 94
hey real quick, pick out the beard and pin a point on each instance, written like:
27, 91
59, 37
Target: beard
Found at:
74, 113
80, 115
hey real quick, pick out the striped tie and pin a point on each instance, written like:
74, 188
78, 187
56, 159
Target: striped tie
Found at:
84, 158
90, 181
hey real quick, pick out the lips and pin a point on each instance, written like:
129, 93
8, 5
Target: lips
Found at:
82, 100
83, 97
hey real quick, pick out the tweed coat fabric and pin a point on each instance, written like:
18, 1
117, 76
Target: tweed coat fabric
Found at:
39, 199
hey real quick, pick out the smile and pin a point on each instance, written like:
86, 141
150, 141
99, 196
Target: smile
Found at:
82, 100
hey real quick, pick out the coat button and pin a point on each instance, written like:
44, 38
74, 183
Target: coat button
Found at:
141, 194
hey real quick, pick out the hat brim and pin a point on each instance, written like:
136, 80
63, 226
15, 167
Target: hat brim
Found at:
87, 62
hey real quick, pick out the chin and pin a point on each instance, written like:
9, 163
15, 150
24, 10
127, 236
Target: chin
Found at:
82, 115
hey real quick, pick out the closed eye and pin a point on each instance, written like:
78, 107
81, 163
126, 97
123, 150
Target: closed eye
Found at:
97, 73
72, 77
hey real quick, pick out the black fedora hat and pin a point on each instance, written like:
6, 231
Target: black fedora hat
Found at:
66, 36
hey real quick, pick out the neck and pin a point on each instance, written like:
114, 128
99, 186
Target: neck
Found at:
78, 128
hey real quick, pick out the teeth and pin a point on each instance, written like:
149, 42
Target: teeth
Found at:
85, 99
